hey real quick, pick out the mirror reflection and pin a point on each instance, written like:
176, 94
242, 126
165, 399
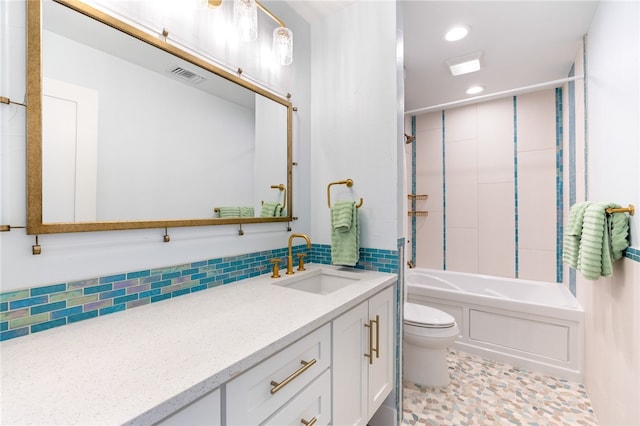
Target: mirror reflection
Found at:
133, 133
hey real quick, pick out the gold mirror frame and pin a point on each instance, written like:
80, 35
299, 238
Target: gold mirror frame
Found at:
35, 224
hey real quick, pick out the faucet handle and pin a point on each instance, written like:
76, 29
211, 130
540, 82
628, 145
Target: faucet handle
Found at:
276, 268
301, 261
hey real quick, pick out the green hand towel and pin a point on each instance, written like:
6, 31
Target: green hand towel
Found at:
229, 212
597, 247
246, 211
618, 233
270, 209
573, 232
342, 217
345, 239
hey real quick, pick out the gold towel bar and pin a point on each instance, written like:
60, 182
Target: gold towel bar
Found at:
349, 183
631, 210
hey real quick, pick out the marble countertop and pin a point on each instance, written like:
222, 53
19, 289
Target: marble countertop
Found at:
142, 364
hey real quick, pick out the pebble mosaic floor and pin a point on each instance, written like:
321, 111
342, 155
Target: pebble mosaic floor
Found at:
485, 392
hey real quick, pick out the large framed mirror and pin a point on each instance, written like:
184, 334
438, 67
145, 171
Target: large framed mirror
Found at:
128, 131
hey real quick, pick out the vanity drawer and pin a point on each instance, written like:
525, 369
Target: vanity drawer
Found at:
252, 397
314, 402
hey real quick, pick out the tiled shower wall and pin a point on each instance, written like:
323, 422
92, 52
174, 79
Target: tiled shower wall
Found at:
490, 171
35, 309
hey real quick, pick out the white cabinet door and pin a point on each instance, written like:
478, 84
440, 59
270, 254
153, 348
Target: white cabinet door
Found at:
381, 370
350, 338
362, 378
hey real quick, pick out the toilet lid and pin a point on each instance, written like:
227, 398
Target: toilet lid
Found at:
426, 316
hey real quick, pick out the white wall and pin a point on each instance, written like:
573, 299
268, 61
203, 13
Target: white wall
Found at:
612, 305
84, 255
355, 125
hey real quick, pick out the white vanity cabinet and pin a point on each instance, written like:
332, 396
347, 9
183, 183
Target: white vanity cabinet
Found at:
363, 359
275, 385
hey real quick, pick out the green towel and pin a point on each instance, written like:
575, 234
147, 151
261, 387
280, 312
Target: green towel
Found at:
573, 232
618, 234
271, 209
229, 212
246, 212
604, 238
345, 234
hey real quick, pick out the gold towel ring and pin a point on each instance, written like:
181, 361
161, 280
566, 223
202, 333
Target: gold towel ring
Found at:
349, 183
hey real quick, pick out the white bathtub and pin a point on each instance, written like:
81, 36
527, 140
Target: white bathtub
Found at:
534, 325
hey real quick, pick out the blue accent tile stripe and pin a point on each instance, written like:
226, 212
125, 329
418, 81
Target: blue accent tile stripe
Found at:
444, 200
414, 190
48, 289
572, 159
632, 253
559, 184
99, 296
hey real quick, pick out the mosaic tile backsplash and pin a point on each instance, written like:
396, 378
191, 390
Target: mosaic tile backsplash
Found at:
40, 308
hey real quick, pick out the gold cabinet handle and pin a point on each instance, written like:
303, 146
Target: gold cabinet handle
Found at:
370, 354
305, 366
309, 422
377, 349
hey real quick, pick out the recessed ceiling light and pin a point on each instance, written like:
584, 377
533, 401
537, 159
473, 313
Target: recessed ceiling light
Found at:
474, 90
457, 33
465, 64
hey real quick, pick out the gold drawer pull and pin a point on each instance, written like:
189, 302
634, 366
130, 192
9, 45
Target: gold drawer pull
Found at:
309, 422
305, 366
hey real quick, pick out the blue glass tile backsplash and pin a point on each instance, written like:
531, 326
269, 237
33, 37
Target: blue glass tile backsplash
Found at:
53, 305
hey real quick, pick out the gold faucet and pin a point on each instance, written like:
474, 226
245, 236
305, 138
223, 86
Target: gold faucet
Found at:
290, 256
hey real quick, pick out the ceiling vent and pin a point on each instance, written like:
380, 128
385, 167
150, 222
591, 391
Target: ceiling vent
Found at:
187, 75
465, 64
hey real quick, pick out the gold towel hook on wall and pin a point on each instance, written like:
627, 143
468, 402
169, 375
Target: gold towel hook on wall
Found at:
349, 183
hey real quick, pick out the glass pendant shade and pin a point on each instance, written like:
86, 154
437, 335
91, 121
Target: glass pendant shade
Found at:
245, 16
283, 45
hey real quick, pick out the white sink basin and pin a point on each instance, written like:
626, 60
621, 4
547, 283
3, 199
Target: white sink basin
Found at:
321, 281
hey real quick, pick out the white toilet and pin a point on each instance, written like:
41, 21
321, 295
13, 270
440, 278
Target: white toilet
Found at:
427, 334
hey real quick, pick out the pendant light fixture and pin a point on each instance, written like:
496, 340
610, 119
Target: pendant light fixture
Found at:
283, 45
245, 15
245, 18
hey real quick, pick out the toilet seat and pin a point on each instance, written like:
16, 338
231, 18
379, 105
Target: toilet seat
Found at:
426, 317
